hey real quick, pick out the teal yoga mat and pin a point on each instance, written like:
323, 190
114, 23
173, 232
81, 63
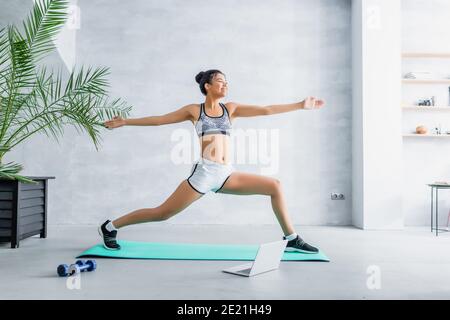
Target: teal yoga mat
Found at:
191, 251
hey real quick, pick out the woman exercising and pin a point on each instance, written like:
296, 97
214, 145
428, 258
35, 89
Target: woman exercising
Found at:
213, 172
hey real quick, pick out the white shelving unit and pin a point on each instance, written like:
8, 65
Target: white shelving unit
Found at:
422, 136
437, 55
426, 81
426, 55
426, 108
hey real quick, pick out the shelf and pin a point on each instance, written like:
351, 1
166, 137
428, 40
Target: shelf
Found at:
415, 135
426, 108
437, 55
420, 81
440, 55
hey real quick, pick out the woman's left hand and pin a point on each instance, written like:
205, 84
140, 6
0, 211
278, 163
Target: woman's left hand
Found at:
312, 103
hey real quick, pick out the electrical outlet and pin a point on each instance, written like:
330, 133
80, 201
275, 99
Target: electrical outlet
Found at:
337, 196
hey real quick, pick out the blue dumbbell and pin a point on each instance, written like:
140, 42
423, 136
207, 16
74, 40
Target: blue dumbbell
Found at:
82, 266
79, 266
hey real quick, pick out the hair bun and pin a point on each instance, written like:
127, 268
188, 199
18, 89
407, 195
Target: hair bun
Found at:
199, 76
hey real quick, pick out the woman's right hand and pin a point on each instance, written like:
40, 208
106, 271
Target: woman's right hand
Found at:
115, 122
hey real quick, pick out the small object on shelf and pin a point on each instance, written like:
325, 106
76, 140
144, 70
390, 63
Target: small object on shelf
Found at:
431, 102
419, 75
421, 130
437, 130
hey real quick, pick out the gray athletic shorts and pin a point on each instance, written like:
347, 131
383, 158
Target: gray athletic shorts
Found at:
207, 175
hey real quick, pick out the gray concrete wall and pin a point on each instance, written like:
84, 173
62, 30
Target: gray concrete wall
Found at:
272, 52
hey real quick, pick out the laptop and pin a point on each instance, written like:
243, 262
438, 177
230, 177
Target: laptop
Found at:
267, 258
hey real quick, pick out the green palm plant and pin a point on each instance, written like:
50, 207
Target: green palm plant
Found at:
35, 99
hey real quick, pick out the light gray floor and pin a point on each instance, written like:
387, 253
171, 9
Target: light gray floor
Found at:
413, 264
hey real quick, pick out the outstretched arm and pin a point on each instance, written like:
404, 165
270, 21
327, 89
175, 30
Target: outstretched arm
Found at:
307, 104
240, 110
182, 114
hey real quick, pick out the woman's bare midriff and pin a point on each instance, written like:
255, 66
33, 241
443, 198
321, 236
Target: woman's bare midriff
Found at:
215, 147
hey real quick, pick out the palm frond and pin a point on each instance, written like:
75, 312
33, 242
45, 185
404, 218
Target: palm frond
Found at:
43, 24
10, 171
22, 66
34, 99
4, 45
91, 81
4, 60
18, 77
83, 103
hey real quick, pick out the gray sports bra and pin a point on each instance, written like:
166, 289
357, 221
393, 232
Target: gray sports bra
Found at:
210, 125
